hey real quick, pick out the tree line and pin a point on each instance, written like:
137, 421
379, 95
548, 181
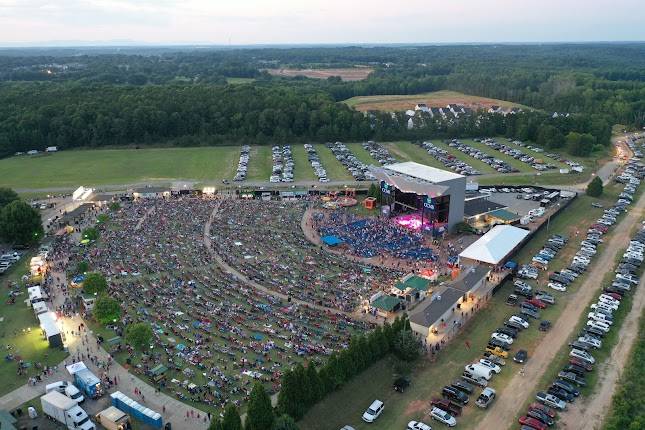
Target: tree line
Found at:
70, 115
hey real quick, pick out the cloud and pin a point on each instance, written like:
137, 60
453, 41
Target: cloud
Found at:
319, 21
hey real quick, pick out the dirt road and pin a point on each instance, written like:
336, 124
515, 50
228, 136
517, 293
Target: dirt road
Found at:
590, 413
502, 413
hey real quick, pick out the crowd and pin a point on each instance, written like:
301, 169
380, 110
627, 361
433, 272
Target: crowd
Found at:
264, 240
370, 237
215, 334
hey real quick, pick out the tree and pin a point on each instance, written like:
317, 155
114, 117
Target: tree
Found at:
82, 267
102, 219
94, 283
406, 346
106, 310
20, 223
216, 424
259, 415
7, 195
114, 206
595, 187
313, 385
231, 420
288, 401
91, 233
284, 422
139, 335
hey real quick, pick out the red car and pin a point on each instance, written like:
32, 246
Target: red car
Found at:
447, 406
600, 227
537, 303
614, 295
542, 408
532, 422
588, 367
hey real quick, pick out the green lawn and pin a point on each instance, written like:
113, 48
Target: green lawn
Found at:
407, 151
19, 328
347, 405
302, 170
477, 164
260, 164
362, 154
335, 170
118, 166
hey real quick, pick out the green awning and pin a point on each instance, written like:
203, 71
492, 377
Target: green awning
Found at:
417, 283
386, 303
504, 215
158, 370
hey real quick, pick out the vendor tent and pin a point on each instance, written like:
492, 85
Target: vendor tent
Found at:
496, 245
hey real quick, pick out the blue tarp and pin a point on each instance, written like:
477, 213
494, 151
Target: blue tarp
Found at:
511, 265
331, 240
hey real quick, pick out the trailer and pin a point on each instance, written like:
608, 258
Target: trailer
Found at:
85, 380
113, 419
66, 411
136, 410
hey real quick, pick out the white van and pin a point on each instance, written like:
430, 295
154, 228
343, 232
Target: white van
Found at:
67, 389
479, 371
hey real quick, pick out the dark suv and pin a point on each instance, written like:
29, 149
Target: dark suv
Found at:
454, 394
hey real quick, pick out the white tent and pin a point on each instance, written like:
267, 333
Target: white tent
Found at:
495, 245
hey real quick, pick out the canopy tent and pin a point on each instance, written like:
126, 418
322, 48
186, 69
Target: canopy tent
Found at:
495, 245
331, 240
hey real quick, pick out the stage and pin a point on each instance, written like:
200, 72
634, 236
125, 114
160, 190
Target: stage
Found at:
414, 222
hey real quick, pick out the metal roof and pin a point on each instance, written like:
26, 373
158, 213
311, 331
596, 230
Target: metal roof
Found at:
421, 171
495, 245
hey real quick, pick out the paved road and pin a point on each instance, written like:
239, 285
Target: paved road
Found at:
520, 388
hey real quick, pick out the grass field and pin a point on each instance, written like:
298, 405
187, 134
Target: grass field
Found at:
335, 170
406, 151
434, 99
347, 405
19, 329
118, 166
239, 81
346, 74
260, 164
302, 170
210, 165
477, 164
362, 154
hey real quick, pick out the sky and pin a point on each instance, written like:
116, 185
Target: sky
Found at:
242, 22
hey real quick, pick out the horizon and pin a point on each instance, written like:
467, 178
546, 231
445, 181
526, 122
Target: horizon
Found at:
43, 23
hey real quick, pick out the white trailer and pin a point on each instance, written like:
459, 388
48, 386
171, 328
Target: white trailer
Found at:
66, 411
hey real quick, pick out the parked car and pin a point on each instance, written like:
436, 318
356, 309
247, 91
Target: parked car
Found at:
540, 416
532, 422
418, 425
521, 356
582, 355
572, 377
543, 408
486, 397
550, 400
374, 411
454, 394
453, 408
443, 417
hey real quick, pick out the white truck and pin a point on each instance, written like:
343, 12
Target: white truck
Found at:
67, 388
66, 411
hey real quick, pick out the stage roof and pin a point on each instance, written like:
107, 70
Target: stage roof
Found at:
408, 184
495, 245
474, 207
421, 171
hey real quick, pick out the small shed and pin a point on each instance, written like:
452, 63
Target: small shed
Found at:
385, 305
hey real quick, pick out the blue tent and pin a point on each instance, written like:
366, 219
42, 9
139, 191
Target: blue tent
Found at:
331, 240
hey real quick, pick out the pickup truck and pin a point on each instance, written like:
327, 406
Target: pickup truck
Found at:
485, 398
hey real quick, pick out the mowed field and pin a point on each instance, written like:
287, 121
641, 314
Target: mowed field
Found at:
392, 103
118, 166
210, 165
346, 74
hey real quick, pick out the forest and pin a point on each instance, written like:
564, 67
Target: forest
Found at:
90, 97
